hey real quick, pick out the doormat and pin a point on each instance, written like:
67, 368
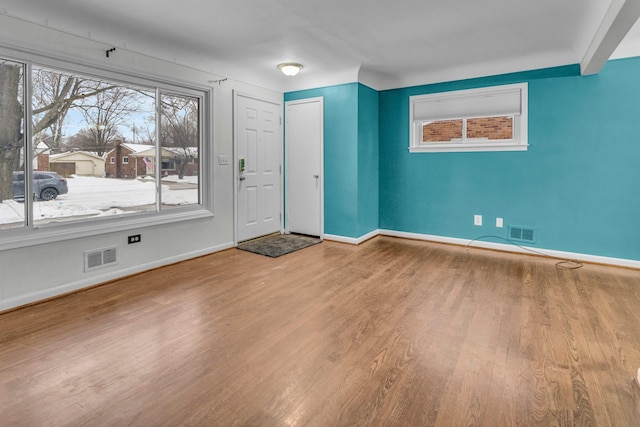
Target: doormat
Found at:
275, 246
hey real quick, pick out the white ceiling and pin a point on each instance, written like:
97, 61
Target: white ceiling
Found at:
630, 45
383, 43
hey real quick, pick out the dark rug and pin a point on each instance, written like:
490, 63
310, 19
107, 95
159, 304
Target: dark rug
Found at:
275, 246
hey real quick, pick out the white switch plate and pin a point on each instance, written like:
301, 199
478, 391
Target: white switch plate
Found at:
477, 220
499, 223
223, 160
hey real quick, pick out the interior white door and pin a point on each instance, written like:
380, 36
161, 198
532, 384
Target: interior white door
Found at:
258, 163
304, 136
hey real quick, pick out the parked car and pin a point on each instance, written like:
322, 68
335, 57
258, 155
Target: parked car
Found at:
46, 185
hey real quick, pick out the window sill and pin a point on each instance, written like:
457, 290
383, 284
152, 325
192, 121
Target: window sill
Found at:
24, 237
467, 148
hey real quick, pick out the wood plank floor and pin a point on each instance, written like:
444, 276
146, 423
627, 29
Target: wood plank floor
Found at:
389, 333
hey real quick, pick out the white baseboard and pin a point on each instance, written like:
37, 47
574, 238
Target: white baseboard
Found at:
106, 277
620, 262
505, 247
112, 275
351, 240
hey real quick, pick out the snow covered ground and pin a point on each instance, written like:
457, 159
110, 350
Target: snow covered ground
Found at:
92, 196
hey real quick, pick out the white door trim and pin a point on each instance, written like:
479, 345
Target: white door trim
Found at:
319, 99
234, 166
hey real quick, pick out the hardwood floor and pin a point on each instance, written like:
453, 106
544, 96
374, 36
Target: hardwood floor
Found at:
392, 332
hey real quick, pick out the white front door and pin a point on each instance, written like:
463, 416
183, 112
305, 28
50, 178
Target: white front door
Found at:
258, 157
304, 147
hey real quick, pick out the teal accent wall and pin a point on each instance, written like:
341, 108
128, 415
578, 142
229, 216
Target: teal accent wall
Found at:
350, 157
578, 185
368, 160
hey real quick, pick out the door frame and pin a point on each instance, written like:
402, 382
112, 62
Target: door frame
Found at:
319, 99
234, 165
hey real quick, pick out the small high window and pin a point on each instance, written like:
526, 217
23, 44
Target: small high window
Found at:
486, 119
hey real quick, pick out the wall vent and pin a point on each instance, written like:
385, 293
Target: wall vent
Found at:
100, 258
522, 234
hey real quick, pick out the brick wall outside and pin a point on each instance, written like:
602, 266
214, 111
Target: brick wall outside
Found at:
127, 170
490, 128
485, 127
192, 169
109, 169
443, 130
43, 162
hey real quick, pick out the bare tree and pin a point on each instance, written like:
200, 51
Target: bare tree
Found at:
49, 88
180, 129
11, 113
50, 106
105, 112
55, 94
85, 140
146, 130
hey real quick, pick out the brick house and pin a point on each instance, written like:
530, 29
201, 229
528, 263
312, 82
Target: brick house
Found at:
122, 162
133, 160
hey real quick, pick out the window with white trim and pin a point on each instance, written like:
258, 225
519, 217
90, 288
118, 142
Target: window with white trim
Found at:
486, 119
76, 108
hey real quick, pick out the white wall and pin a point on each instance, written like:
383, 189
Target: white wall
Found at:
32, 273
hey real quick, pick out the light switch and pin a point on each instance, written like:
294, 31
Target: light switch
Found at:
223, 160
477, 220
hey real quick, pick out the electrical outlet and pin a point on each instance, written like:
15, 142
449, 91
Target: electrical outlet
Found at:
499, 222
477, 220
134, 238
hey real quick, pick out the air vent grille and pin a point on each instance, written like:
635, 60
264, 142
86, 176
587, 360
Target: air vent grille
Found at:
109, 256
100, 258
527, 234
522, 234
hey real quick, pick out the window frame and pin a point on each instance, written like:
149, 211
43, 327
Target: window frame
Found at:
34, 234
519, 123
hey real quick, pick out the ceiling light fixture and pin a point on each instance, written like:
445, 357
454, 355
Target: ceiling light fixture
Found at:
290, 69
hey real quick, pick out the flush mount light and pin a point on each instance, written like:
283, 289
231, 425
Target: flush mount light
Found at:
290, 69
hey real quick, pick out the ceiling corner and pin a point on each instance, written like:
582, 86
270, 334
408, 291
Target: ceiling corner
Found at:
620, 17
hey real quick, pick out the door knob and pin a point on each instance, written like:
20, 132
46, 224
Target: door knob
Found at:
316, 176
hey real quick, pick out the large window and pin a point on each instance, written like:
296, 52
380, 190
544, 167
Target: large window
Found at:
91, 148
487, 119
